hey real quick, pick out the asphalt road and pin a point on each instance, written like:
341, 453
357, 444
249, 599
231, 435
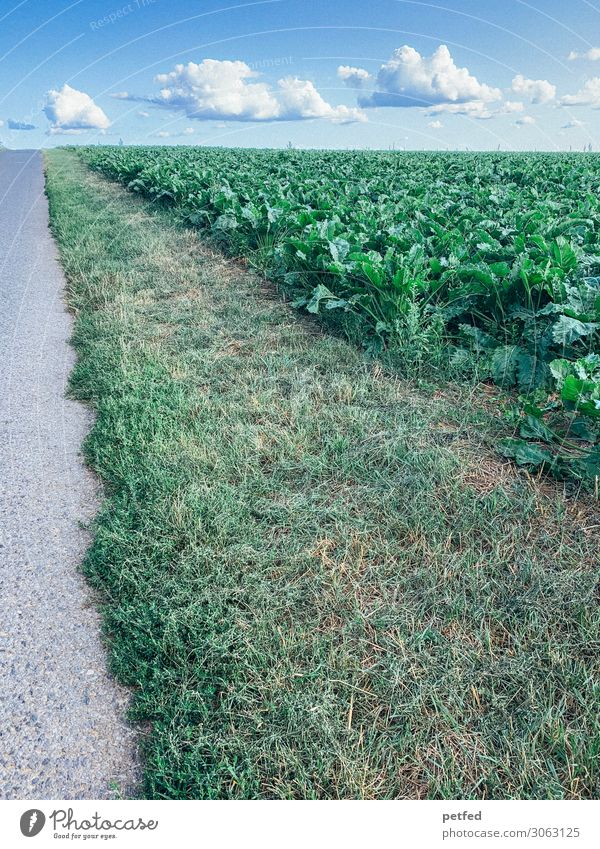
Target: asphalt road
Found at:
62, 728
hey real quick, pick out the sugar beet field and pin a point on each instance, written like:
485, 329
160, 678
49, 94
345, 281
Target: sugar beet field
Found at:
486, 261
348, 423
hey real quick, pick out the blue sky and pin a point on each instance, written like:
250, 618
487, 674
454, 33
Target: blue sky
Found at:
350, 74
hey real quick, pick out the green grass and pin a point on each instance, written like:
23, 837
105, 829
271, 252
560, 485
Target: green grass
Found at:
317, 580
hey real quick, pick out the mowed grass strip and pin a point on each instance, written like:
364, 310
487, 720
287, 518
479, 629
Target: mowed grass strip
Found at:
316, 579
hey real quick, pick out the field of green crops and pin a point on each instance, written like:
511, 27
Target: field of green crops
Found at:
489, 261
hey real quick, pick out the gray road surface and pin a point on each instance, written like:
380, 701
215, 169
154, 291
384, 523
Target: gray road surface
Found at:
62, 728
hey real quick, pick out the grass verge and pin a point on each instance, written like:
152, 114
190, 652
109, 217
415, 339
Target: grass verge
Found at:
316, 580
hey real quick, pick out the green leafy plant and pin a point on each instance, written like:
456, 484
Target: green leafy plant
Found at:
494, 253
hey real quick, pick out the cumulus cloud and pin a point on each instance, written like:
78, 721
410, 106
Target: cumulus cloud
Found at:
593, 55
437, 85
72, 111
588, 95
120, 95
215, 89
573, 124
524, 120
353, 77
300, 99
537, 91
435, 125
409, 79
19, 125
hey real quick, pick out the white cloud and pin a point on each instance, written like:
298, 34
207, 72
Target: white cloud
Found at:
511, 106
163, 134
588, 95
537, 91
120, 95
143, 114
472, 109
300, 99
593, 55
215, 89
477, 109
353, 77
435, 125
188, 131
573, 124
409, 79
71, 111
524, 119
